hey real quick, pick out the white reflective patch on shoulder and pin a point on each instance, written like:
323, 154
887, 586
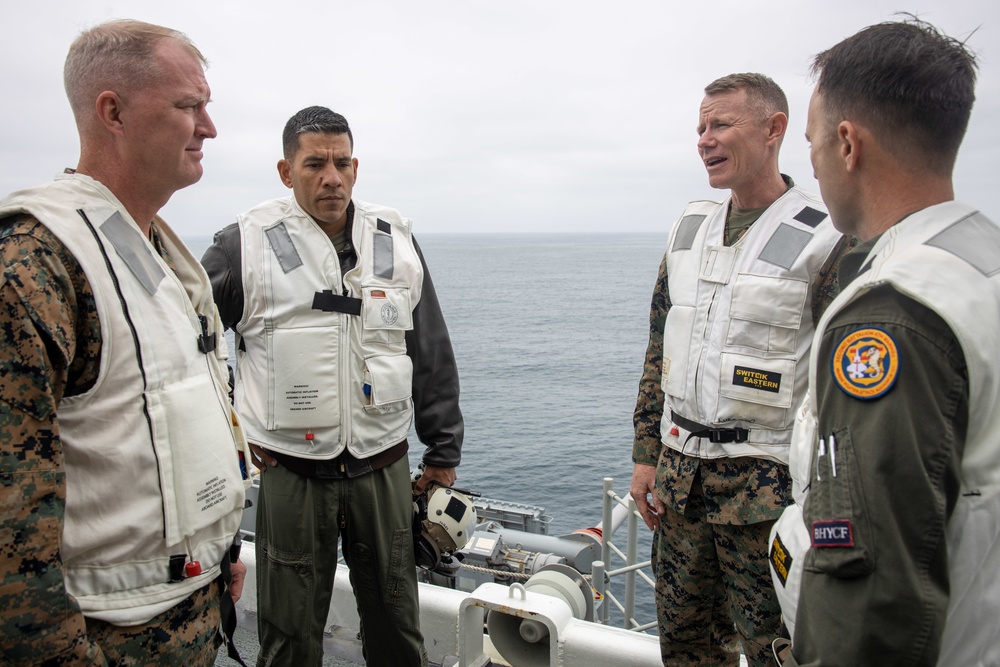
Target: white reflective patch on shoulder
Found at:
283, 247
687, 229
382, 251
974, 239
785, 246
134, 251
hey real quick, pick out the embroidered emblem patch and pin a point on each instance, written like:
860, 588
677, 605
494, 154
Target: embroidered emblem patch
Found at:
389, 313
756, 379
865, 363
836, 533
781, 560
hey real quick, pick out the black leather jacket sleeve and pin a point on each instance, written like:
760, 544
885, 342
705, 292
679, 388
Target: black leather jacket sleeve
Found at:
437, 416
222, 262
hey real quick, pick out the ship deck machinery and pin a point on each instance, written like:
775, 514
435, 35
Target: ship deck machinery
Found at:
517, 596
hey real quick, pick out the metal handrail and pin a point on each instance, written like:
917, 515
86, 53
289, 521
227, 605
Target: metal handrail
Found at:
602, 575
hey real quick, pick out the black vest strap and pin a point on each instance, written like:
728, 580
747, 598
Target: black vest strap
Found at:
718, 435
227, 608
330, 302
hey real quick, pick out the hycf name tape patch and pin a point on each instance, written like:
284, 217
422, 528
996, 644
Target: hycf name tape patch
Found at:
836, 533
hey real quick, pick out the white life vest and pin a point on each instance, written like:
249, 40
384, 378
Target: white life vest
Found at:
963, 246
740, 324
313, 382
151, 449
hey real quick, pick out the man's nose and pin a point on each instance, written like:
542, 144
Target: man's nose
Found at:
206, 128
331, 176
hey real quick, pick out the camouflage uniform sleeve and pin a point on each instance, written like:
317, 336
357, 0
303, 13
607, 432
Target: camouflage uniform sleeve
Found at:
41, 357
649, 404
825, 286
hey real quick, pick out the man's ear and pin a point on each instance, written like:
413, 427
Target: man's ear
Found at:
109, 112
776, 126
849, 144
285, 172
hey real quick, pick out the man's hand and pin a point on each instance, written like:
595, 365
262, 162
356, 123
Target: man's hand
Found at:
643, 481
443, 476
239, 572
261, 458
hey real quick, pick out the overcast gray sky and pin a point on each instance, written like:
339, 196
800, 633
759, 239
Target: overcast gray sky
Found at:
513, 116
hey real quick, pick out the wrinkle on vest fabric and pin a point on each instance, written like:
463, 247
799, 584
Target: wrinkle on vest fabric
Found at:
964, 247
158, 414
740, 324
324, 367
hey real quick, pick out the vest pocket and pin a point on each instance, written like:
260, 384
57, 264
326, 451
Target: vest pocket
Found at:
199, 473
759, 382
391, 379
677, 339
303, 380
766, 313
836, 513
386, 308
756, 391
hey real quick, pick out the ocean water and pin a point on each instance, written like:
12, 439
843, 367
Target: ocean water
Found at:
549, 331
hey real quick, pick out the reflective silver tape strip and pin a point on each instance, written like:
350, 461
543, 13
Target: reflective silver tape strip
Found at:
785, 246
686, 230
383, 255
284, 249
134, 251
975, 239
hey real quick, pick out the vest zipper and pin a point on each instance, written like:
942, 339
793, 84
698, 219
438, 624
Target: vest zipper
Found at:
344, 372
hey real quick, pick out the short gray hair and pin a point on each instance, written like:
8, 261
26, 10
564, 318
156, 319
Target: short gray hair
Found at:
764, 96
117, 55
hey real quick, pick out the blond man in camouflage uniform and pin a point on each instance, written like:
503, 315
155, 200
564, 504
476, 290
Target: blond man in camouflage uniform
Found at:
740, 288
69, 380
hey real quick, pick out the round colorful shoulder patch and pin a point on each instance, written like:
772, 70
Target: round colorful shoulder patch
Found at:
865, 363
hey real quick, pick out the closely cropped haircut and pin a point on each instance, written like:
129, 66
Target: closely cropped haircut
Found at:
909, 83
312, 119
117, 55
764, 96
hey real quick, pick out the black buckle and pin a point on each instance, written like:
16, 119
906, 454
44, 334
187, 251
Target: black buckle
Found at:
206, 341
725, 435
716, 435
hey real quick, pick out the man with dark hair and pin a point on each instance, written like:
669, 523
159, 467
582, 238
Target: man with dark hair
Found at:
340, 345
740, 289
891, 553
121, 488
312, 119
